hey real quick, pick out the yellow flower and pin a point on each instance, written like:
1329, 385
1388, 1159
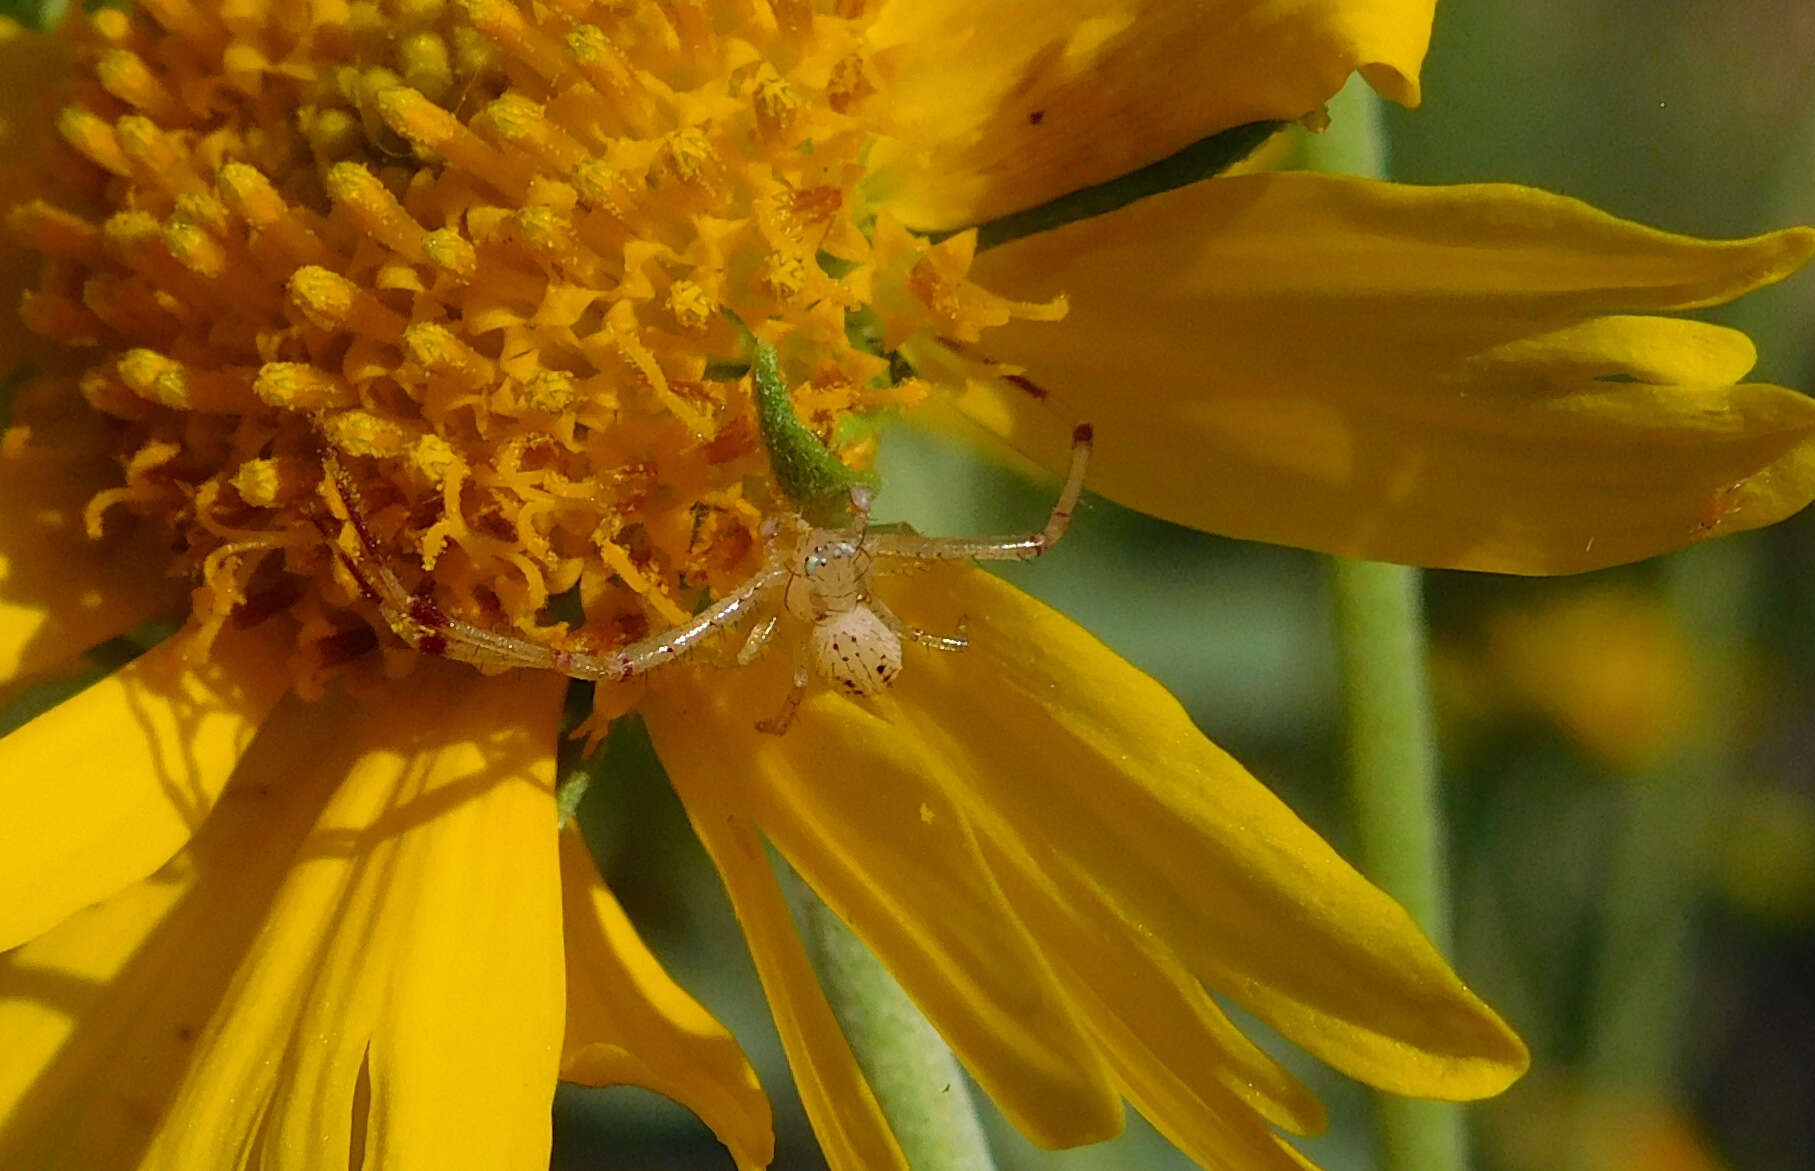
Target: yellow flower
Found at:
1598, 1129
1610, 667
494, 261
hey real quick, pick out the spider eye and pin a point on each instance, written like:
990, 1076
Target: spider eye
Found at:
813, 564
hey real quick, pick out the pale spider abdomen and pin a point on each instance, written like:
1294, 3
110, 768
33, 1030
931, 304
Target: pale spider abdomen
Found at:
856, 652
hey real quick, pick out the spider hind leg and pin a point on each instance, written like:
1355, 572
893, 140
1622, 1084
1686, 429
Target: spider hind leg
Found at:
781, 721
951, 643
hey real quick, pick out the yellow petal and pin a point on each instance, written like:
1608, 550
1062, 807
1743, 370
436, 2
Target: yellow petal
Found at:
1102, 776
1176, 1056
628, 1023
99, 1016
1002, 106
61, 593
401, 1006
1438, 376
102, 789
862, 809
1185, 1064
852, 1133
471, 1028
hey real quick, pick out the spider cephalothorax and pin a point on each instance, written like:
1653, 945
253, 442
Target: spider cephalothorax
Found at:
823, 576
850, 644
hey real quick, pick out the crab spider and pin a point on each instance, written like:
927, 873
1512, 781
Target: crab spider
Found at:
822, 575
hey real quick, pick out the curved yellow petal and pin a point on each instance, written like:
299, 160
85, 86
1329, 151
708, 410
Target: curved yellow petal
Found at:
1001, 106
61, 593
99, 1015
401, 1005
628, 1023
1103, 777
471, 1028
1181, 1062
102, 789
1187, 1067
862, 809
1438, 376
853, 1135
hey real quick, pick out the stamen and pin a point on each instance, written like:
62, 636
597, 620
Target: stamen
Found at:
44, 227
438, 350
272, 483
93, 139
124, 74
375, 210
604, 64
687, 156
503, 22
332, 302
137, 240
299, 386
451, 252
156, 159
522, 123
130, 307
362, 433
102, 389
195, 249
169, 383
56, 316
251, 197
432, 128
549, 236
694, 28
602, 186
186, 21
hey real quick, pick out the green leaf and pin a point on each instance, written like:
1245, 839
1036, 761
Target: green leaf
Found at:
1201, 160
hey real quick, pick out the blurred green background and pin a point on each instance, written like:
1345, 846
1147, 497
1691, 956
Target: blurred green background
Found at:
1628, 755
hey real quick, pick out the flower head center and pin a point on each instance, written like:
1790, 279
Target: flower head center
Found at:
497, 259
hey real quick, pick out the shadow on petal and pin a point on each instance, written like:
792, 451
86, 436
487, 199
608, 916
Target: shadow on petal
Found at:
325, 967
1100, 775
108, 785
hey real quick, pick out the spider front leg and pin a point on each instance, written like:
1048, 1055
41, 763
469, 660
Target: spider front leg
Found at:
951, 643
426, 627
1018, 547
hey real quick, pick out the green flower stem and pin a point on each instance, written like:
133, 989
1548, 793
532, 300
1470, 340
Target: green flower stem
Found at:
1392, 752
917, 1080
1393, 789
1669, 817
